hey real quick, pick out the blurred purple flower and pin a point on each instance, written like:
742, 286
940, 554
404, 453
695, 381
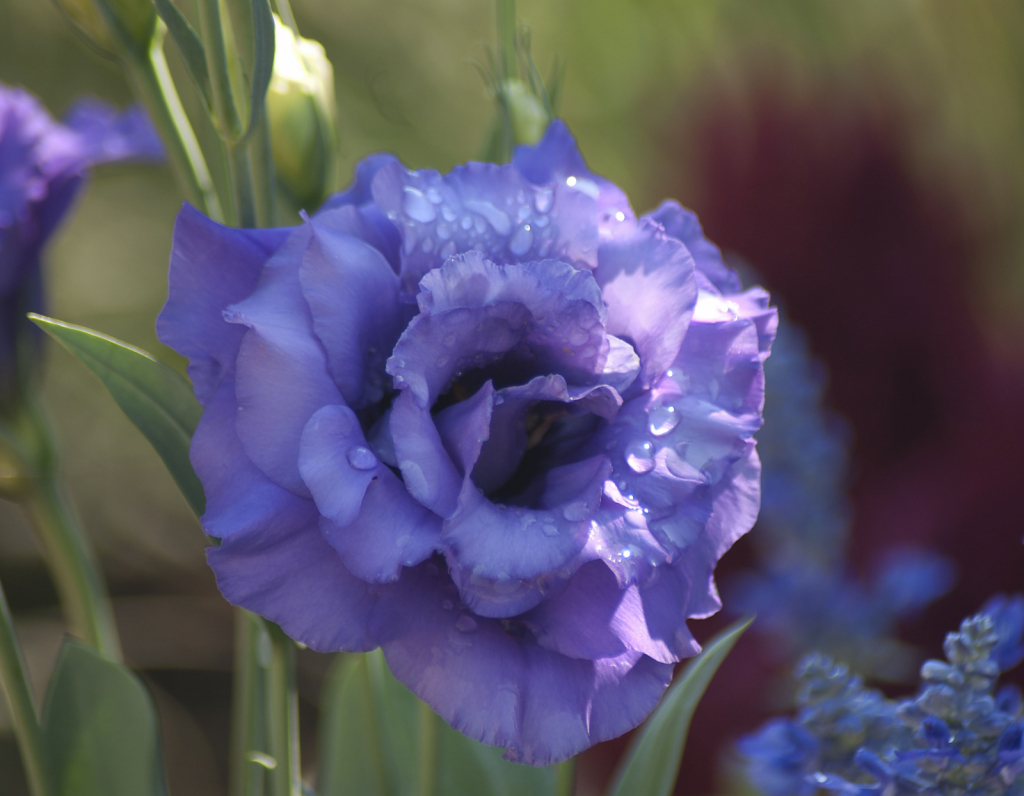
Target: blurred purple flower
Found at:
489, 421
42, 166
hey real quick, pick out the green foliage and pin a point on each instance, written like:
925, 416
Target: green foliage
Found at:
100, 729
378, 739
651, 764
263, 60
190, 45
156, 399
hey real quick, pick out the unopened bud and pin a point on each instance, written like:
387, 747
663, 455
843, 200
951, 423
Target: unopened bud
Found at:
113, 26
301, 112
529, 119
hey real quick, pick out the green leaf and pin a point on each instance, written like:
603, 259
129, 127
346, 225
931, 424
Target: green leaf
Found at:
378, 739
263, 60
100, 729
651, 763
189, 45
156, 399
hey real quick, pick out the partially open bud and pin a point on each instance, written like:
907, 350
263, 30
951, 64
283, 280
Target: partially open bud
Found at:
301, 111
113, 25
526, 111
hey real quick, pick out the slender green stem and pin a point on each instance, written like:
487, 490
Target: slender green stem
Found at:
284, 10
241, 183
228, 120
76, 574
261, 159
247, 723
283, 715
152, 82
507, 54
427, 763
14, 680
566, 782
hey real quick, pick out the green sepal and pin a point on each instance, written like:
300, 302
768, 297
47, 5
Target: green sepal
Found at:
651, 763
377, 738
100, 729
156, 399
190, 45
263, 60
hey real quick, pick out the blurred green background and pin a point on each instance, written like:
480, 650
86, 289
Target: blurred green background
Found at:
641, 76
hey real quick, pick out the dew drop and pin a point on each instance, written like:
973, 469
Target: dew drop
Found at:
540, 221
542, 200
466, 624
638, 456
480, 226
495, 217
466, 222
578, 336
577, 511
520, 243
523, 213
620, 216
361, 458
447, 250
442, 361
434, 196
662, 419
443, 232
570, 181
549, 529
417, 206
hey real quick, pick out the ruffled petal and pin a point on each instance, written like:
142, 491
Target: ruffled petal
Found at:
212, 267
358, 193
353, 296
427, 469
281, 370
557, 159
486, 208
107, 135
682, 224
490, 679
647, 281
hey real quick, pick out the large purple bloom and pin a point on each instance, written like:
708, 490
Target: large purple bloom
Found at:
42, 167
489, 421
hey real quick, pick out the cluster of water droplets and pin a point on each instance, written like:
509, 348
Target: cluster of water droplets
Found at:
449, 224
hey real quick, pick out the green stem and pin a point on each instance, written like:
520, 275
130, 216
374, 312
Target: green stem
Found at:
507, 54
565, 784
241, 184
76, 574
14, 680
152, 82
228, 121
261, 159
427, 778
283, 715
284, 10
247, 730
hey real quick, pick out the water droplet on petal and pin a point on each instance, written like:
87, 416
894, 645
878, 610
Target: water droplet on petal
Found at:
466, 624
448, 213
495, 217
549, 529
447, 250
639, 457
520, 242
417, 206
523, 213
570, 181
466, 222
577, 511
620, 216
361, 458
540, 221
434, 196
443, 232
662, 419
542, 200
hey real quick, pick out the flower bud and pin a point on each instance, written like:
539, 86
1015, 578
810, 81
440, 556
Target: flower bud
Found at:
529, 119
113, 25
301, 110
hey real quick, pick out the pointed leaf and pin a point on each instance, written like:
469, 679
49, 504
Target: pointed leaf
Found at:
156, 399
377, 738
189, 45
263, 59
651, 763
100, 729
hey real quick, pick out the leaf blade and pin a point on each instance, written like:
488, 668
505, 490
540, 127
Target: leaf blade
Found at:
651, 763
263, 60
190, 45
156, 399
100, 729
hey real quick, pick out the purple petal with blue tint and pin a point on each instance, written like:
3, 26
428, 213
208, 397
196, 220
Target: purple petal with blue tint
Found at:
683, 225
486, 208
212, 267
109, 135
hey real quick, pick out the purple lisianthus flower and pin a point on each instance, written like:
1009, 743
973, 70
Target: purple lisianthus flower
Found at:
489, 421
42, 167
